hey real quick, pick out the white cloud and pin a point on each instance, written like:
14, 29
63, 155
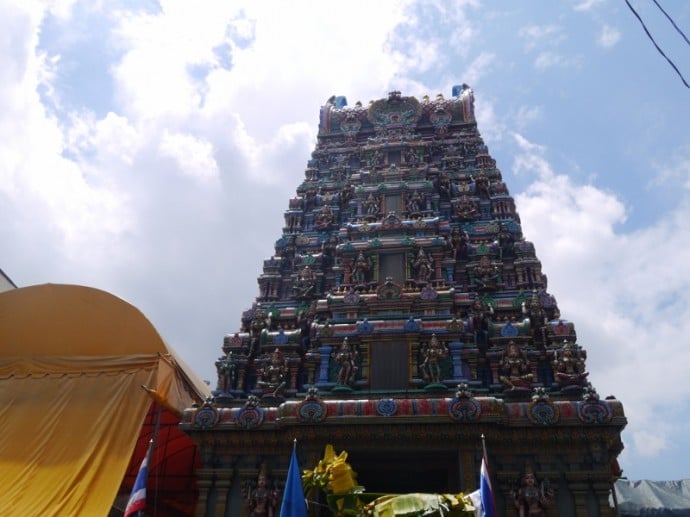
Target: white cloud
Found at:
609, 36
649, 444
629, 303
538, 35
193, 155
587, 5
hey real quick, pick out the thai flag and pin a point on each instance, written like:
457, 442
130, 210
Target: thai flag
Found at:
486, 490
137, 499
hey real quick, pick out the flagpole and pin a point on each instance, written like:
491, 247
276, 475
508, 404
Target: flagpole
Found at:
486, 486
293, 504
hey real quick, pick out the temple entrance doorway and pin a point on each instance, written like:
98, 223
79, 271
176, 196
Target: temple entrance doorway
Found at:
401, 472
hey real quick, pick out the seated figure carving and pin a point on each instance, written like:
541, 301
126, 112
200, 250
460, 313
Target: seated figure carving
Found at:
569, 367
274, 374
325, 218
486, 274
514, 369
465, 208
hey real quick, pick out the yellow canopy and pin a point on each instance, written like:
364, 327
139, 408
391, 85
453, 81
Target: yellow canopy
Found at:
73, 361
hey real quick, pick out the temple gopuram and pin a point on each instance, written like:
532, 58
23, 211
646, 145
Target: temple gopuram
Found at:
403, 316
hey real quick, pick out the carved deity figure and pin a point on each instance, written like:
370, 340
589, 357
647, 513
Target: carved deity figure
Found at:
569, 366
482, 185
485, 273
346, 358
415, 202
226, 372
514, 369
325, 218
505, 241
467, 99
274, 373
260, 500
371, 205
434, 354
458, 243
444, 187
259, 323
306, 281
532, 498
538, 319
422, 266
346, 194
465, 208
360, 269
479, 320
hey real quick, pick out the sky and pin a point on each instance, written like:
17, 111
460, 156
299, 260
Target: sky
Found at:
149, 149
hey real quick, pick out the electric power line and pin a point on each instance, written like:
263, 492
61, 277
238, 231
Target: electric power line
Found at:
657, 46
672, 22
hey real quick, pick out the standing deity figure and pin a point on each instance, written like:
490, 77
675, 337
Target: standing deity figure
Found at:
434, 354
415, 202
346, 358
480, 315
458, 243
514, 369
260, 500
538, 319
422, 266
532, 498
467, 99
360, 269
226, 372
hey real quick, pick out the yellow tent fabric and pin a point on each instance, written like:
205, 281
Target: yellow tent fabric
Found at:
73, 361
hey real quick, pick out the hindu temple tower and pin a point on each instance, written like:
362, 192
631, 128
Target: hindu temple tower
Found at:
402, 315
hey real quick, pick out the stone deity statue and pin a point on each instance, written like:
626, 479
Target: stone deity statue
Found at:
260, 500
514, 369
569, 367
434, 354
346, 358
274, 374
532, 498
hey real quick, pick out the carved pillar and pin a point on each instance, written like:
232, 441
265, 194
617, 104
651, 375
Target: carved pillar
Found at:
455, 354
601, 492
325, 352
204, 482
294, 369
223, 482
579, 491
438, 266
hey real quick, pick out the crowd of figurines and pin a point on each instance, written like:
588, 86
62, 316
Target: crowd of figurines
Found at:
402, 227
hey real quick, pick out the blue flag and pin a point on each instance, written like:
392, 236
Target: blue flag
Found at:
293, 496
486, 491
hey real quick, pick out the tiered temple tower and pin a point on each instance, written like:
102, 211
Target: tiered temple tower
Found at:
402, 316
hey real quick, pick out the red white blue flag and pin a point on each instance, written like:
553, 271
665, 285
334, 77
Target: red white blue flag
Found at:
137, 499
486, 490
